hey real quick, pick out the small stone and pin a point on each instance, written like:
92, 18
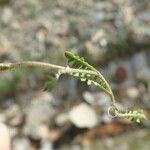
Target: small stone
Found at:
5, 46
90, 48
98, 98
100, 34
89, 97
61, 119
83, 116
14, 116
120, 75
103, 99
140, 65
16, 25
43, 131
21, 143
106, 118
2, 117
103, 42
132, 92
46, 145
14, 131
6, 15
38, 114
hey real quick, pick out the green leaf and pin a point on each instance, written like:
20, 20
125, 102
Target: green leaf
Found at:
79, 63
136, 116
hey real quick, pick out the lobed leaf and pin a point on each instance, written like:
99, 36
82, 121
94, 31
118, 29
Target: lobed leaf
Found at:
79, 62
136, 116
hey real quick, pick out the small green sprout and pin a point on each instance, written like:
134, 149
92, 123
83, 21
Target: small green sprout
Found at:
77, 67
136, 116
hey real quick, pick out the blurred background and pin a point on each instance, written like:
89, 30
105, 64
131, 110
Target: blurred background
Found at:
112, 35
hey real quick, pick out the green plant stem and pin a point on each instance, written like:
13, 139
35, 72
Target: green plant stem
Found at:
62, 69
8, 66
137, 116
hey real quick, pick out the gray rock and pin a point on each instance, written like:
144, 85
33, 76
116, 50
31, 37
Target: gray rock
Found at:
132, 92
97, 99
21, 143
83, 116
38, 114
61, 119
6, 16
140, 66
46, 145
140, 28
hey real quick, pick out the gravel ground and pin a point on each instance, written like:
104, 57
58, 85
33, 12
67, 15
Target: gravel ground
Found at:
114, 36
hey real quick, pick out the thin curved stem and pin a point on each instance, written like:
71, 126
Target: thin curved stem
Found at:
62, 69
134, 115
9, 66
